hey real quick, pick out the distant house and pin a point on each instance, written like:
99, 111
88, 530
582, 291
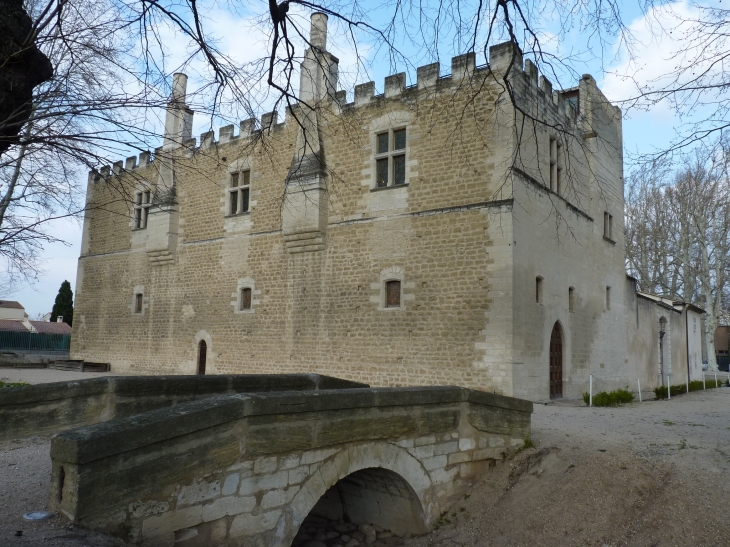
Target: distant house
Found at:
10, 309
13, 318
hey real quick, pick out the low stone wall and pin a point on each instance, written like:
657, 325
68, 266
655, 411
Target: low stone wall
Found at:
247, 469
50, 408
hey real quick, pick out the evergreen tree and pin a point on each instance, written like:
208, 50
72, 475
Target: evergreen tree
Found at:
64, 305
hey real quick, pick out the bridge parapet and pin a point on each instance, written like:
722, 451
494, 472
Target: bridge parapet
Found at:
246, 469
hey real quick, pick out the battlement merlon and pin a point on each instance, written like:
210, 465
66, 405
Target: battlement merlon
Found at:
319, 80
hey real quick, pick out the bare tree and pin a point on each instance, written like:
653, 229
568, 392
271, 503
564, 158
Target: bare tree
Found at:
678, 233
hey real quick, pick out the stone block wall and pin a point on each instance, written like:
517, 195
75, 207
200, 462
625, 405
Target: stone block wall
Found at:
247, 469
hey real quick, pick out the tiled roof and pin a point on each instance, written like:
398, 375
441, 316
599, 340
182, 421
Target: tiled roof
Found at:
10, 325
11, 304
51, 328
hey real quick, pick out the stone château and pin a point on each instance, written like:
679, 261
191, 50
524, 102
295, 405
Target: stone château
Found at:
466, 230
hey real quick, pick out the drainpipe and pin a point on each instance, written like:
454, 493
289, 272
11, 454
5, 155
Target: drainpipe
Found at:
686, 333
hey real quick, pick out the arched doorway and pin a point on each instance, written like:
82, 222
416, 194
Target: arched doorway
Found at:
556, 362
373, 502
202, 356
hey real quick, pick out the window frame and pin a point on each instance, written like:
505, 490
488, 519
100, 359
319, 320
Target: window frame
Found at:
390, 157
571, 299
242, 301
142, 204
387, 284
242, 188
608, 226
556, 165
138, 303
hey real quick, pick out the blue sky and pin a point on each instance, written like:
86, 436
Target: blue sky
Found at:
644, 131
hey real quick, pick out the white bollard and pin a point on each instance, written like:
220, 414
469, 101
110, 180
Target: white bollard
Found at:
669, 383
688, 383
590, 391
704, 385
639, 384
716, 380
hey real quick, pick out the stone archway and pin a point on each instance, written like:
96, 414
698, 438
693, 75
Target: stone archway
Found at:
368, 467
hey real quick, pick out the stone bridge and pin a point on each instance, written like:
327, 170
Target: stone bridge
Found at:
247, 468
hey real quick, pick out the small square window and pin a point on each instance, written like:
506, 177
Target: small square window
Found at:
392, 294
246, 298
138, 303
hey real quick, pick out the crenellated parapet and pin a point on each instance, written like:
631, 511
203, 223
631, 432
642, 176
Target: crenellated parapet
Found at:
534, 92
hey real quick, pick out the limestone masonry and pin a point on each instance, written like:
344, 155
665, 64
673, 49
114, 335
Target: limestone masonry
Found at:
466, 230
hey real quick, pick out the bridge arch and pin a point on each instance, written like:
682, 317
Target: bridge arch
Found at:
371, 463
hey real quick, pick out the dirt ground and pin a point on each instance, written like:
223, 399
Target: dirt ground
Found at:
652, 474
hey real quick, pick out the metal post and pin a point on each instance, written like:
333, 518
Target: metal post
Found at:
669, 383
704, 386
590, 391
639, 383
687, 383
716, 380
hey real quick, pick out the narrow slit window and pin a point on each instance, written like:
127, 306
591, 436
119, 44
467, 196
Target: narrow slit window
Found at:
538, 290
608, 298
245, 299
138, 303
610, 227
553, 162
559, 169
571, 299
392, 294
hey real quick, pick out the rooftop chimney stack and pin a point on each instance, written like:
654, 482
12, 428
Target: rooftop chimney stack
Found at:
179, 87
179, 118
318, 32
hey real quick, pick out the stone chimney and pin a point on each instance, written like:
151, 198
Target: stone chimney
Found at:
319, 70
179, 118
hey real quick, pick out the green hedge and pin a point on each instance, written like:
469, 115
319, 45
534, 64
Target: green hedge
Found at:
694, 385
610, 398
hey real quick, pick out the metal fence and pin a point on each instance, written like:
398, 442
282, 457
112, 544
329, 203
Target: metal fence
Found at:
32, 341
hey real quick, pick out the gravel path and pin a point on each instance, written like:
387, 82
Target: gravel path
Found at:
650, 474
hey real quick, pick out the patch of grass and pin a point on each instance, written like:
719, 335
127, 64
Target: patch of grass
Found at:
610, 398
13, 384
528, 443
683, 444
667, 422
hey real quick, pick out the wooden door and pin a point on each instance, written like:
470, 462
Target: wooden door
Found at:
556, 362
202, 356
